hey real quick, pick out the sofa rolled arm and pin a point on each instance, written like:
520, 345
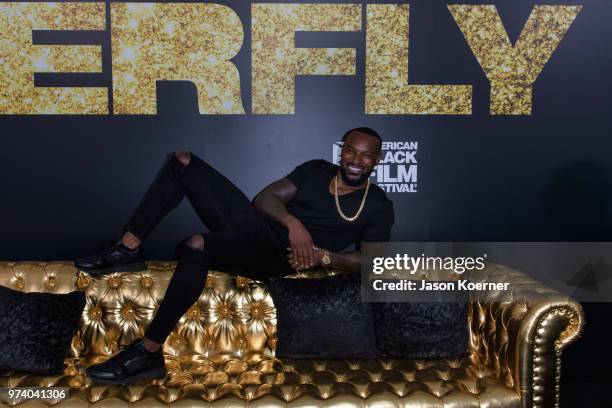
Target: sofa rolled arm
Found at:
519, 333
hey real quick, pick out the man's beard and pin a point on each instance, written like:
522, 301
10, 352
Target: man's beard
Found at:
354, 182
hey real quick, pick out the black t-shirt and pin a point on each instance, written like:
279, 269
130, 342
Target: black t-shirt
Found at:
315, 207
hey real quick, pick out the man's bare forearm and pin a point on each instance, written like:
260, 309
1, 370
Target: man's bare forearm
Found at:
272, 202
274, 209
348, 261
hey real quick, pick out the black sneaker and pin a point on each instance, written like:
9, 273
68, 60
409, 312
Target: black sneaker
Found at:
112, 257
131, 364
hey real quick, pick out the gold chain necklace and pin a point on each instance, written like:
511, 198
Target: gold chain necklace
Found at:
353, 218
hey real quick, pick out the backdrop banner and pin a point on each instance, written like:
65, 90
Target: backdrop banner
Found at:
494, 115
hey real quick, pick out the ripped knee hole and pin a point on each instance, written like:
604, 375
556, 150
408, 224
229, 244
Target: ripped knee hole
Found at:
196, 242
184, 156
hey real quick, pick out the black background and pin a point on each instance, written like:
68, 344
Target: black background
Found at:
70, 182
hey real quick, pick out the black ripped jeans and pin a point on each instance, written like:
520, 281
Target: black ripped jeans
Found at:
239, 241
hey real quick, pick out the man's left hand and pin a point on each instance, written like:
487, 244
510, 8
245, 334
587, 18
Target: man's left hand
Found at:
318, 256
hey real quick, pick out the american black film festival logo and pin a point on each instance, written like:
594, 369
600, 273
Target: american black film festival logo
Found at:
398, 167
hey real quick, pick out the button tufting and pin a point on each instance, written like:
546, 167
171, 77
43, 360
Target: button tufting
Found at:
224, 311
146, 282
241, 282
82, 281
256, 310
114, 282
50, 282
95, 312
128, 312
210, 282
194, 313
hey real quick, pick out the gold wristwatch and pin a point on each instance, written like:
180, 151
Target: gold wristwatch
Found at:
326, 260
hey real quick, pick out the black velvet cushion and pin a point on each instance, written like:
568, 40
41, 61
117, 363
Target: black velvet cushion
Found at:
322, 318
36, 329
423, 330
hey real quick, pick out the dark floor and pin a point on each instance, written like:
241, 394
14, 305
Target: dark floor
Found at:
586, 395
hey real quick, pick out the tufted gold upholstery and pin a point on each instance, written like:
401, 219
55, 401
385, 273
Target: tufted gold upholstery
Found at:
222, 351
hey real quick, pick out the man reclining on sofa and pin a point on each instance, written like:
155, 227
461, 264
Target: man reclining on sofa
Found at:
298, 222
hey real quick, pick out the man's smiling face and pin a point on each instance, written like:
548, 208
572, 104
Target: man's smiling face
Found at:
360, 153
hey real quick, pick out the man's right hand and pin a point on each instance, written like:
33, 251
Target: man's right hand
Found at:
301, 244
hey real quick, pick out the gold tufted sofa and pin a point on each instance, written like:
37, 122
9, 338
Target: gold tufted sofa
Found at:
222, 351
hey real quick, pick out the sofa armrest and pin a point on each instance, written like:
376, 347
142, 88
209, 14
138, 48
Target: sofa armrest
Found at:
520, 333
